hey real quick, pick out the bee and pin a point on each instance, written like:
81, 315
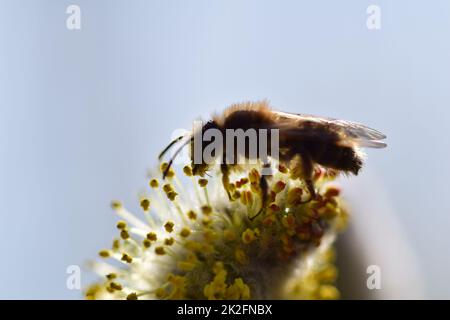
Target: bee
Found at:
329, 143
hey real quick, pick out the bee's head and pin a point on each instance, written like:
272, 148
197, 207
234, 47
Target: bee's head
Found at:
211, 124
200, 161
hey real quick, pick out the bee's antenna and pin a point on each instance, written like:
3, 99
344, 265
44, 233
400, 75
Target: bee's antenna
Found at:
169, 146
174, 156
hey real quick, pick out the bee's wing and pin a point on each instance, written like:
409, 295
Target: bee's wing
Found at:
351, 133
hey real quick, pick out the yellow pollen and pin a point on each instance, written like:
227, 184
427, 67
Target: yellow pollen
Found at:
206, 221
172, 195
185, 232
218, 267
126, 258
215, 246
104, 253
111, 276
288, 221
169, 241
332, 192
269, 220
282, 168
241, 256
191, 257
203, 182
185, 265
254, 186
178, 286
328, 292
294, 197
115, 286
151, 236
229, 235
160, 293
116, 244
132, 296
163, 168
248, 236
160, 251
206, 248
254, 176
116, 205
145, 204
192, 245
279, 186
169, 226
209, 235
238, 290
192, 215
206, 210
328, 274
273, 208
247, 198
124, 234
236, 195
146, 243
121, 225
154, 183
241, 182
187, 171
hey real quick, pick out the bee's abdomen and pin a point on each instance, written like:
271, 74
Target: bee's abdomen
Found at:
333, 156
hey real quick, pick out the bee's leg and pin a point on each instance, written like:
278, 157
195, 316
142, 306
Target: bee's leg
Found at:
226, 179
308, 171
263, 185
311, 189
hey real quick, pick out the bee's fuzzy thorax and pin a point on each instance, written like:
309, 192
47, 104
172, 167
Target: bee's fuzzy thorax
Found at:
259, 106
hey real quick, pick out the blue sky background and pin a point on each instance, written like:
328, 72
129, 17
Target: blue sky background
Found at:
84, 113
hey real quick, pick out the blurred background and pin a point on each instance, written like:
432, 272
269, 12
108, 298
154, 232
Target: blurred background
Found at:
83, 114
